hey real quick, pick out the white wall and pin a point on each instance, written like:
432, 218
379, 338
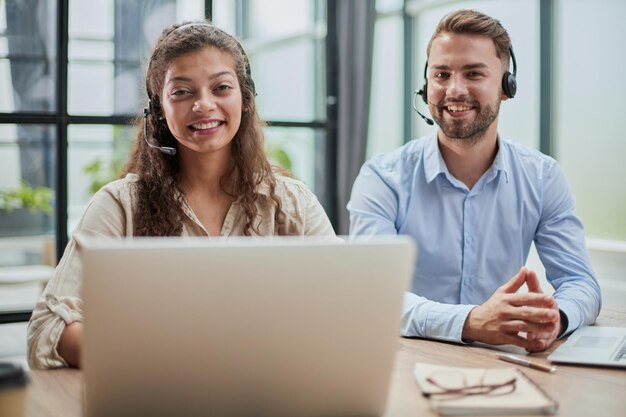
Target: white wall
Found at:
608, 259
589, 64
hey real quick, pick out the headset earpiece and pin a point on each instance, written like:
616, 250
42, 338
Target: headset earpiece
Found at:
509, 83
150, 109
424, 90
154, 107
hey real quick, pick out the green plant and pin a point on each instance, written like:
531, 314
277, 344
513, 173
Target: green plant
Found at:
102, 173
28, 197
278, 156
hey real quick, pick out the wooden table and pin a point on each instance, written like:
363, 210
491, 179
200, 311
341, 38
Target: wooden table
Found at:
580, 391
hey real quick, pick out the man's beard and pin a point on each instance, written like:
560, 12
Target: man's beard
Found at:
469, 132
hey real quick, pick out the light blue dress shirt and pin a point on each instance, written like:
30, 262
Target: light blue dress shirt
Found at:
470, 242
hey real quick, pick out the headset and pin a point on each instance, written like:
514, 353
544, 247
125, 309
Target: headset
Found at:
151, 110
509, 86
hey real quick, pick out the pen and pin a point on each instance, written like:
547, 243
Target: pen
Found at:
526, 362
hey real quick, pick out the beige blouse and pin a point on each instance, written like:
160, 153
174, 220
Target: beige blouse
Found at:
110, 213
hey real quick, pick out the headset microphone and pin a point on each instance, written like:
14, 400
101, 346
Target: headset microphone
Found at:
426, 119
165, 149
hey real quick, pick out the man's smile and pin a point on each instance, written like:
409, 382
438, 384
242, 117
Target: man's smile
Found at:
453, 108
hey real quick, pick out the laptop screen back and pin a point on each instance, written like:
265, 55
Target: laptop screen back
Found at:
279, 327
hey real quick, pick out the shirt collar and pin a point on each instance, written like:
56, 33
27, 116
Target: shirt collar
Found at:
501, 162
433, 161
435, 165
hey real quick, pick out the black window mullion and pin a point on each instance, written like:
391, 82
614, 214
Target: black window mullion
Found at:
28, 118
54, 118
208, 9
409, 73
332, 108
15, 316
315, 124
546, 49
61, 151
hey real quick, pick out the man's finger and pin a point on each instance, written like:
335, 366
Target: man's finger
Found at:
536, 345
515, 283
529, 299
533, 282
513, 339
533, 331
530, 314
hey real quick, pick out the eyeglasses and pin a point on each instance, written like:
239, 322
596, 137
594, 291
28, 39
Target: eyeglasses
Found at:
455, 385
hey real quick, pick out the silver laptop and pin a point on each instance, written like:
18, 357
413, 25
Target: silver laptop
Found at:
241, 327
603, 346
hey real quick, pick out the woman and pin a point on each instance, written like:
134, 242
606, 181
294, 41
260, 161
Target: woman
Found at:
198, 169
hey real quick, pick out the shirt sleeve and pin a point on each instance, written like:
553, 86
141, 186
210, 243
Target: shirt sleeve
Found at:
60, 303
316, 222
560, 243
374, 209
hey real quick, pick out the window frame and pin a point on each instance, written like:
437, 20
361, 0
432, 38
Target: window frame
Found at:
61, 119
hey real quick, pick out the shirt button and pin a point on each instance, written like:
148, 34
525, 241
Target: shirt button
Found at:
469, 239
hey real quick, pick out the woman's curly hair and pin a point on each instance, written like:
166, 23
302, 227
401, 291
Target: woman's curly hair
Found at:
158, 211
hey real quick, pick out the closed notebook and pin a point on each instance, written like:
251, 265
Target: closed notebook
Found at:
453, 391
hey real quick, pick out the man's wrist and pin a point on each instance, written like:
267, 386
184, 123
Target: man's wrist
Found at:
466, 333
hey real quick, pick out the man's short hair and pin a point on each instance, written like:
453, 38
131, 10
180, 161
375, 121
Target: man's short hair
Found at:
472, 22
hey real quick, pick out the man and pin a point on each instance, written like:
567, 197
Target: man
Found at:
474, 203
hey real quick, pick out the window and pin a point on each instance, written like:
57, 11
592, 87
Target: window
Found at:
109, 42
588, 131
28, 145
386, 124
28, 56
72, 76
400, 56
285, 41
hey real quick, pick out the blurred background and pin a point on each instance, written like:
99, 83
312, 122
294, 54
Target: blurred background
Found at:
335, 80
